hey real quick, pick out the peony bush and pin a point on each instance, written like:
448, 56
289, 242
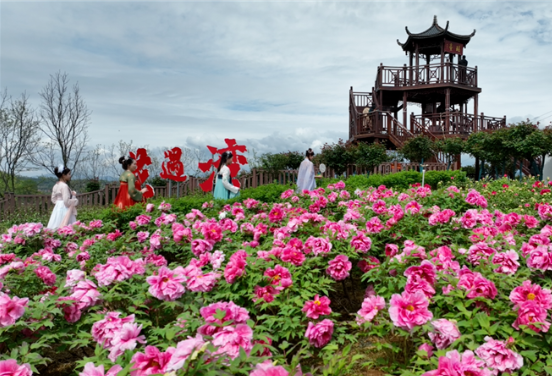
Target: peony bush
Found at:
410, 281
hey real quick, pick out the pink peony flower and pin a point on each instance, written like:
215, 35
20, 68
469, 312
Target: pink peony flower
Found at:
339, 267
528, 292
236, 266
200, 246
268, 369
103, 331
149, 208
361, 243
85, 294
11, 368
374, 226
266, 293
497, 357
279, 277
368, 263
233, 313
230, 339
183, 351
143, 219
167, 284
44, 273
202, 282
317, 246
91, 370
118, 269
11, 309
70, 308
142, 236
126, 338
181, 233
151, 362
276, 215
446, 332
507, 261
320, 306
293, 256
454, 363
409, 310
370, 308
73, 277
320, 334
427, 348
531, 313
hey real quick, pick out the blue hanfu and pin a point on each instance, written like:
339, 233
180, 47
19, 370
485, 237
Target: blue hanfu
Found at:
223, 188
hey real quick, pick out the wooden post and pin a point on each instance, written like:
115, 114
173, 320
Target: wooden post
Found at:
410, 77
417, 65
442, 78
404, 109
475, 109
447, 109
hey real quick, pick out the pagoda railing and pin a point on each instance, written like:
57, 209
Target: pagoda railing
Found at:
458, 124
428, 74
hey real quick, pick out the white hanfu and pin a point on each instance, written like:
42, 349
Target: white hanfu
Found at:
64, 212
305, 177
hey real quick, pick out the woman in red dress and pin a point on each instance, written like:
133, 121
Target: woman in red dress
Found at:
129, 191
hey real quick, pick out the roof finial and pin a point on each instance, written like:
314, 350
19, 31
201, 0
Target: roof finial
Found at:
435, 20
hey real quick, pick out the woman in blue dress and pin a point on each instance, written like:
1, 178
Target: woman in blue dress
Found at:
223, 186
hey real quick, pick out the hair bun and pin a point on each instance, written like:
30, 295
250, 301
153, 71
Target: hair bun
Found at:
121, 160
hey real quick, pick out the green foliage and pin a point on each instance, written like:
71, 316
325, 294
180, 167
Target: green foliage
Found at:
418, 148
404, 179
338, 156
370, 155
281, 161
265, 193
452, 147
157, 181
93, 185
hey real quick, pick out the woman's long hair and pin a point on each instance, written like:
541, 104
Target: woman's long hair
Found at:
224, 158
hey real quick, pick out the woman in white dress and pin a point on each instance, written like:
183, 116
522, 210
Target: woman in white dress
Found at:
64, 200
305, 177
224, 189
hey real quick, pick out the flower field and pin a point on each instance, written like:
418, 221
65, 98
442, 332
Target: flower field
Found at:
450, 281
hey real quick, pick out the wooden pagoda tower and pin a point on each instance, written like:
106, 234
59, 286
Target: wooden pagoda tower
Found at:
435, 79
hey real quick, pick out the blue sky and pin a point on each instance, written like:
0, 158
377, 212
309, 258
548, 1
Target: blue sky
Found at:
273, 75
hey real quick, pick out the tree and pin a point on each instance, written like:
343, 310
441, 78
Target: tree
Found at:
452, 147
18, 138
370, 155
281, 161
418, 149
338, 156
65, 118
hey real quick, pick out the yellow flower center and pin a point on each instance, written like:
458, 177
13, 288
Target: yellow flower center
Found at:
410, 307
531, 296
276, 277
317, 302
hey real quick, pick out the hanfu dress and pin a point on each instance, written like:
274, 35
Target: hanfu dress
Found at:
223, 188
305, 177
129, 194
65, 212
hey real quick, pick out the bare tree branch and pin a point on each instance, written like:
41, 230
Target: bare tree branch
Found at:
65, 118
19, 127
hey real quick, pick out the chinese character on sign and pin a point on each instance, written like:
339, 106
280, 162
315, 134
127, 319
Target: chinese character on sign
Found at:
453, 47
142, 160
173, 169
238, 160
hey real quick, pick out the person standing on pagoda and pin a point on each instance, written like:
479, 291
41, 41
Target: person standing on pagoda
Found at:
223, 187
305, 177
462, 64
128, 194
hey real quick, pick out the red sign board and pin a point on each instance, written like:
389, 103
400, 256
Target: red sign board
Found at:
453, 47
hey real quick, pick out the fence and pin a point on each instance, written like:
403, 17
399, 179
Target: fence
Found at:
42, 204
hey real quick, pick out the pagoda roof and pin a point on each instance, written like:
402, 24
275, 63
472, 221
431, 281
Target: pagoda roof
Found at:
434, 33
